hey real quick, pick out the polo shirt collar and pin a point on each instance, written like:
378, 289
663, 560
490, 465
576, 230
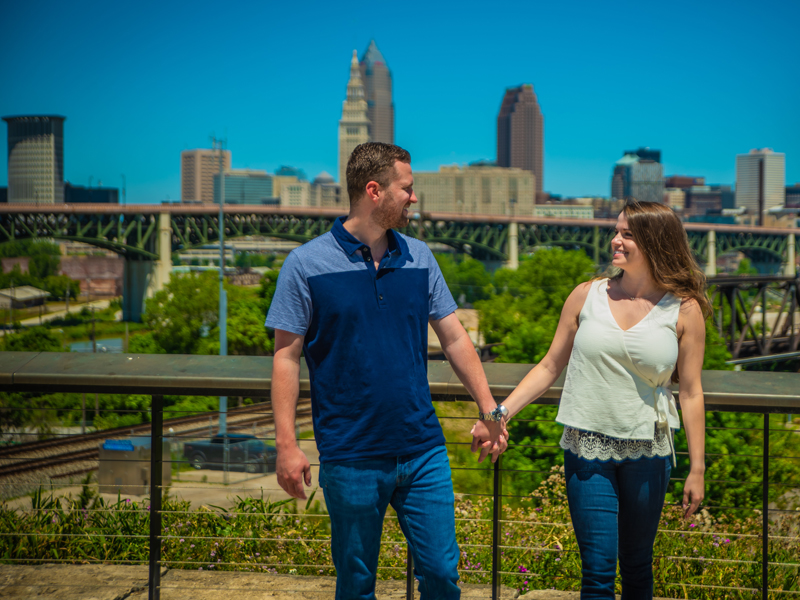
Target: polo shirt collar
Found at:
350, 244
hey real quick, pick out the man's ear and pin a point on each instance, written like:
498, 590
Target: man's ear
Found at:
373, 188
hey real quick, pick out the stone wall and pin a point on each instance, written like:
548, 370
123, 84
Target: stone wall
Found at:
98, 275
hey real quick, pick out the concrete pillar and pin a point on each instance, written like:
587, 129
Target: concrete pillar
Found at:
513, 246
143, 278
163, 266
790, 269
135, 283
711, 254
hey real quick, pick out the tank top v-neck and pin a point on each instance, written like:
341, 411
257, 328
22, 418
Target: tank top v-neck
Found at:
616, 382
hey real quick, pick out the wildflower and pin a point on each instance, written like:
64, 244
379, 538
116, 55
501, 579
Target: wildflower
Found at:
200, 569
181, 540
258, 553
727, 541
522, 569
191, 546
692, 525
213, 553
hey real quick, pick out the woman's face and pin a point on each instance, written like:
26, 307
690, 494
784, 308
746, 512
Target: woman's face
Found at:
625, 253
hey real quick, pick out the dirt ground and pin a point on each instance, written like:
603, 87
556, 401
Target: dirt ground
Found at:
118, 582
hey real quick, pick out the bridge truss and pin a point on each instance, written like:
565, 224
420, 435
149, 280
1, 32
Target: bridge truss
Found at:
757, 315
133, 231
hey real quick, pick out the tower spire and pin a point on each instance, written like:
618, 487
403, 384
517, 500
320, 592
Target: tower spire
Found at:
354, 124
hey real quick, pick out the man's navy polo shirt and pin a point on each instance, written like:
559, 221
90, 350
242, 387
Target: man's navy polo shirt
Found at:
366, 341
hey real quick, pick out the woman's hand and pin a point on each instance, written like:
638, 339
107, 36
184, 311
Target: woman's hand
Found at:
693, 494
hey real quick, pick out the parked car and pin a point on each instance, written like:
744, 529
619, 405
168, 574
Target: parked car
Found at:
245, 453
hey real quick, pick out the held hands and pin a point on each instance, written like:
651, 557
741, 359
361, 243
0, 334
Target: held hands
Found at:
693, 492
293, 468
491, 437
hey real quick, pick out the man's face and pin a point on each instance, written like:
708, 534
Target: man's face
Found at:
392, 209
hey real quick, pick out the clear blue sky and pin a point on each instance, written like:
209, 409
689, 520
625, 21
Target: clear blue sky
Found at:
141, 81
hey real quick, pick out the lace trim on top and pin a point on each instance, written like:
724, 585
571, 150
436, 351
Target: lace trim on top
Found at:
597, 446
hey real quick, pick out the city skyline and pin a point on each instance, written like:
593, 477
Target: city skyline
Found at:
154, 91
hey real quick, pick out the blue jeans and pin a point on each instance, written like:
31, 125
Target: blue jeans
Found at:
615, 509
420, 490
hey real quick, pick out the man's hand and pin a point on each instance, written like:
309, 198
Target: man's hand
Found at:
292, 468
491, 437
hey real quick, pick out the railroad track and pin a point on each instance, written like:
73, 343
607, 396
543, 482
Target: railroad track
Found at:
24, 448
18, 461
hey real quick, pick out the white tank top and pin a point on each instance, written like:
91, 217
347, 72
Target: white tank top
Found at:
616, 382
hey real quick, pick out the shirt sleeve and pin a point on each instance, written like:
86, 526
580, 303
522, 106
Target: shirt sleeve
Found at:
440, 300
291, 305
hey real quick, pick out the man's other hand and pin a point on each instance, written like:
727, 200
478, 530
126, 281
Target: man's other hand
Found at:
491, 437
293, 468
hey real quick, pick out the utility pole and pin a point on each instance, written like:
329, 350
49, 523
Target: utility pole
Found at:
223, 299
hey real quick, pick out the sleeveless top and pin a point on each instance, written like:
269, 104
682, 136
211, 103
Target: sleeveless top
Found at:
616, 404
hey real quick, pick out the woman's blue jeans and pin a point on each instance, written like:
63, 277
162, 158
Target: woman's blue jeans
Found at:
615, 509
420, 490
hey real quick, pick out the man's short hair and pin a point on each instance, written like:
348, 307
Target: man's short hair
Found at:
373, 161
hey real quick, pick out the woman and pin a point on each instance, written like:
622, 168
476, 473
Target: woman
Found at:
624, 338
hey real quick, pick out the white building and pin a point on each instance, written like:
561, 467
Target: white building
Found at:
764, 166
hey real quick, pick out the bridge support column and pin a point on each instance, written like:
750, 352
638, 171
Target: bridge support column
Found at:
163, 266
135, 283
143, 278
711, 254
513, 246
790, 269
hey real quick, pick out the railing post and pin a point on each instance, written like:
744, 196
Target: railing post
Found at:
496, 516
409, 573
156, 477
765, 512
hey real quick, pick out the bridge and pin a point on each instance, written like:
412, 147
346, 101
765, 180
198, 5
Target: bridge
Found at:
147, 235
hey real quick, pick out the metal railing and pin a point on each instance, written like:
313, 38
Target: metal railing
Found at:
159, 375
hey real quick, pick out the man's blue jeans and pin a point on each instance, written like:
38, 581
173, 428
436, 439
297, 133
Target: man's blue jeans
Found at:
420, 490
615, 508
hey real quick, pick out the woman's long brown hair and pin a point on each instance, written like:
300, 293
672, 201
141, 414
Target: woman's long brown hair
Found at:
662, 240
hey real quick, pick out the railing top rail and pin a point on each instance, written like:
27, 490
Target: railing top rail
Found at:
50, 372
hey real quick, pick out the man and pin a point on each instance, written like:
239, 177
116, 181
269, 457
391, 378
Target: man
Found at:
356, 302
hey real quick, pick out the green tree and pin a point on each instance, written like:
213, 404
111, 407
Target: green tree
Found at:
467, 278
183, 317
34, 339
522, 316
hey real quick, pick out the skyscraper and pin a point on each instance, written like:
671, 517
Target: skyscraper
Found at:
520, 132
378, 89
354, 125
640, 178
36, 159
198, 168
760, 181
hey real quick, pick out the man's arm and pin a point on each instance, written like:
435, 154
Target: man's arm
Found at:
459, 350
292, 465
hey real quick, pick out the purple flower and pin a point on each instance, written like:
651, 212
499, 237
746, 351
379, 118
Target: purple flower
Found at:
692, 525
181, 540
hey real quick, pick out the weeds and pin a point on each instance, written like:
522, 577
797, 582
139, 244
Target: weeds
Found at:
538, 548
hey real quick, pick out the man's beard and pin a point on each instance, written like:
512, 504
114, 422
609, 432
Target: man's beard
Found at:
385, 218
